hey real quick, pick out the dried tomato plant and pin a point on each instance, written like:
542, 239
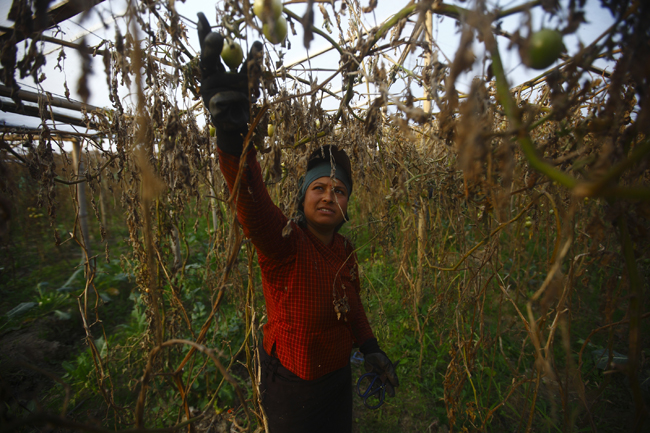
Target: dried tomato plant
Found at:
462, 197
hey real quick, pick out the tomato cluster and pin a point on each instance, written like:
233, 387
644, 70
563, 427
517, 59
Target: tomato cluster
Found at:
274, 27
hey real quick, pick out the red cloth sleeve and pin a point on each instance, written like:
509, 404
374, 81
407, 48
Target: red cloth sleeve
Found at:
261, 220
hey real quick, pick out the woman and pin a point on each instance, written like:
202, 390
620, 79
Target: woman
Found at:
309, 273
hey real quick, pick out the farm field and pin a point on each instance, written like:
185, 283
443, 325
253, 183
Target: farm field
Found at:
501, 231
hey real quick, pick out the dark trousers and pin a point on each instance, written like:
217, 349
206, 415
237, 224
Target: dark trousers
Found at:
295, 405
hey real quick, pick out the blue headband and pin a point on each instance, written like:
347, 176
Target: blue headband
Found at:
324, 169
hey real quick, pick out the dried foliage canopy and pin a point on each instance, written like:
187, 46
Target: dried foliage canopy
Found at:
498, 212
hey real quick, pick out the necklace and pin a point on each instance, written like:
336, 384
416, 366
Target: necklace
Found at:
341, 305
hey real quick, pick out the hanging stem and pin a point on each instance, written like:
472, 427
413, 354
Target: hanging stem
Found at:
634, 313
512, 112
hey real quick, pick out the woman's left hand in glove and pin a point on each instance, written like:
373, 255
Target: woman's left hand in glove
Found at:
378, 362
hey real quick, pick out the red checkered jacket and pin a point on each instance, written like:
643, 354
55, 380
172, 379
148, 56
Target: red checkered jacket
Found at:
299, 275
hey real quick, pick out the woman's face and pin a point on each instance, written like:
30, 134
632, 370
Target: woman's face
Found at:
326, 204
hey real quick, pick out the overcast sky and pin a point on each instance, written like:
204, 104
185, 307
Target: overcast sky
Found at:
445, 34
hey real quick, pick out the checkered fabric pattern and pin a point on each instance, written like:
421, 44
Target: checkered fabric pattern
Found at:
299, 276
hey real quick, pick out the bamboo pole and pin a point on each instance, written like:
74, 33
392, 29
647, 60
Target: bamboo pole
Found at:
422, 244
54, 101
55, 15
428, 59
27, 110
102, 202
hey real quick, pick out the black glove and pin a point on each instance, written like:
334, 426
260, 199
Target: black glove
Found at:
227, 95
378, 362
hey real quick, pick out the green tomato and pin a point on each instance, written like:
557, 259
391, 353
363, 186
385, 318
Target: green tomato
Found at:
232, 54
274, 7
270, 129
544, 48
213, 131
279, 31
